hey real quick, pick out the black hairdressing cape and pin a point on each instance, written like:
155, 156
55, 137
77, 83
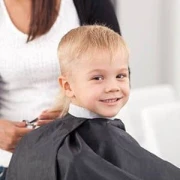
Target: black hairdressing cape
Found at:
85, 149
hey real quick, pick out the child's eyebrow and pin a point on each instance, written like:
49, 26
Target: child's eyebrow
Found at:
96, 71
104, 70
123, 69
93, 70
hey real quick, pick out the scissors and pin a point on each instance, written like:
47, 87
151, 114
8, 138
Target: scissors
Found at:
31, 124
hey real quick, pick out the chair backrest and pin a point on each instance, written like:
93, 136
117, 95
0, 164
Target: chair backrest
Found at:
139, 99
161, 124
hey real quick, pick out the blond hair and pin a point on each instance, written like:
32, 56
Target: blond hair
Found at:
81, 43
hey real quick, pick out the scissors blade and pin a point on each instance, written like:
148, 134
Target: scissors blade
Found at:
34, 120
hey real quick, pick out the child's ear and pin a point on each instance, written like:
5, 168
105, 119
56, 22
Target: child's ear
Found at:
65, 85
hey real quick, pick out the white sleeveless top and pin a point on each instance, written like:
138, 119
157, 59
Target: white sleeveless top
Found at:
29, 71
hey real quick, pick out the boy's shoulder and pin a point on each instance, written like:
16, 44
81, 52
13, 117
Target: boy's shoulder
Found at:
45, 130
49, 132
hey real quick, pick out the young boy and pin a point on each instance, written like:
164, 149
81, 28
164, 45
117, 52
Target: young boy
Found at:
87, 143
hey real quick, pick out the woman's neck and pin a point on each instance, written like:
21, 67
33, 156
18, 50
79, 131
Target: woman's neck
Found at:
20, 13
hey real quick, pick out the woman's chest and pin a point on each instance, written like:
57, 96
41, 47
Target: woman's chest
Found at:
33, 63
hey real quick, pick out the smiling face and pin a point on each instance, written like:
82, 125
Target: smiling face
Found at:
99, 84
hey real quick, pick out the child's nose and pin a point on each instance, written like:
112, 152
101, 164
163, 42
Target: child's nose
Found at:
112, 86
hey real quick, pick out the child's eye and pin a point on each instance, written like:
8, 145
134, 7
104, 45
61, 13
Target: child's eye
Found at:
98, 78
121, 76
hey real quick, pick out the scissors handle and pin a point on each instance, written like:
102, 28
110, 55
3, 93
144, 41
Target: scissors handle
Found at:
30, 124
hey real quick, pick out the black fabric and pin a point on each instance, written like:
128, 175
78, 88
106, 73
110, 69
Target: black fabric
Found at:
85, 149
97, 11
2, 173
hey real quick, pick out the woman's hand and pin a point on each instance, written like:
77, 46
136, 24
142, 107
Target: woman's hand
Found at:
47, 117
10, 134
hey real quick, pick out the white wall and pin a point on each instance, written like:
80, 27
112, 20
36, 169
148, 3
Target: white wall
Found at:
151, 29
174, 36
170, 42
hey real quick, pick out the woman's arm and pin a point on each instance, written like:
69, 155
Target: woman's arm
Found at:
11, 133
47, 116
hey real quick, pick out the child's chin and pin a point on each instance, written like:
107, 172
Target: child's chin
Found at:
109, 115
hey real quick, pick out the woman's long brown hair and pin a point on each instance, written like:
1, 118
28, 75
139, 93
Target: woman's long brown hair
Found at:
43, 16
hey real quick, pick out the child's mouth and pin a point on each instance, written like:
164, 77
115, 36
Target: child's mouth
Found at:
110, 100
